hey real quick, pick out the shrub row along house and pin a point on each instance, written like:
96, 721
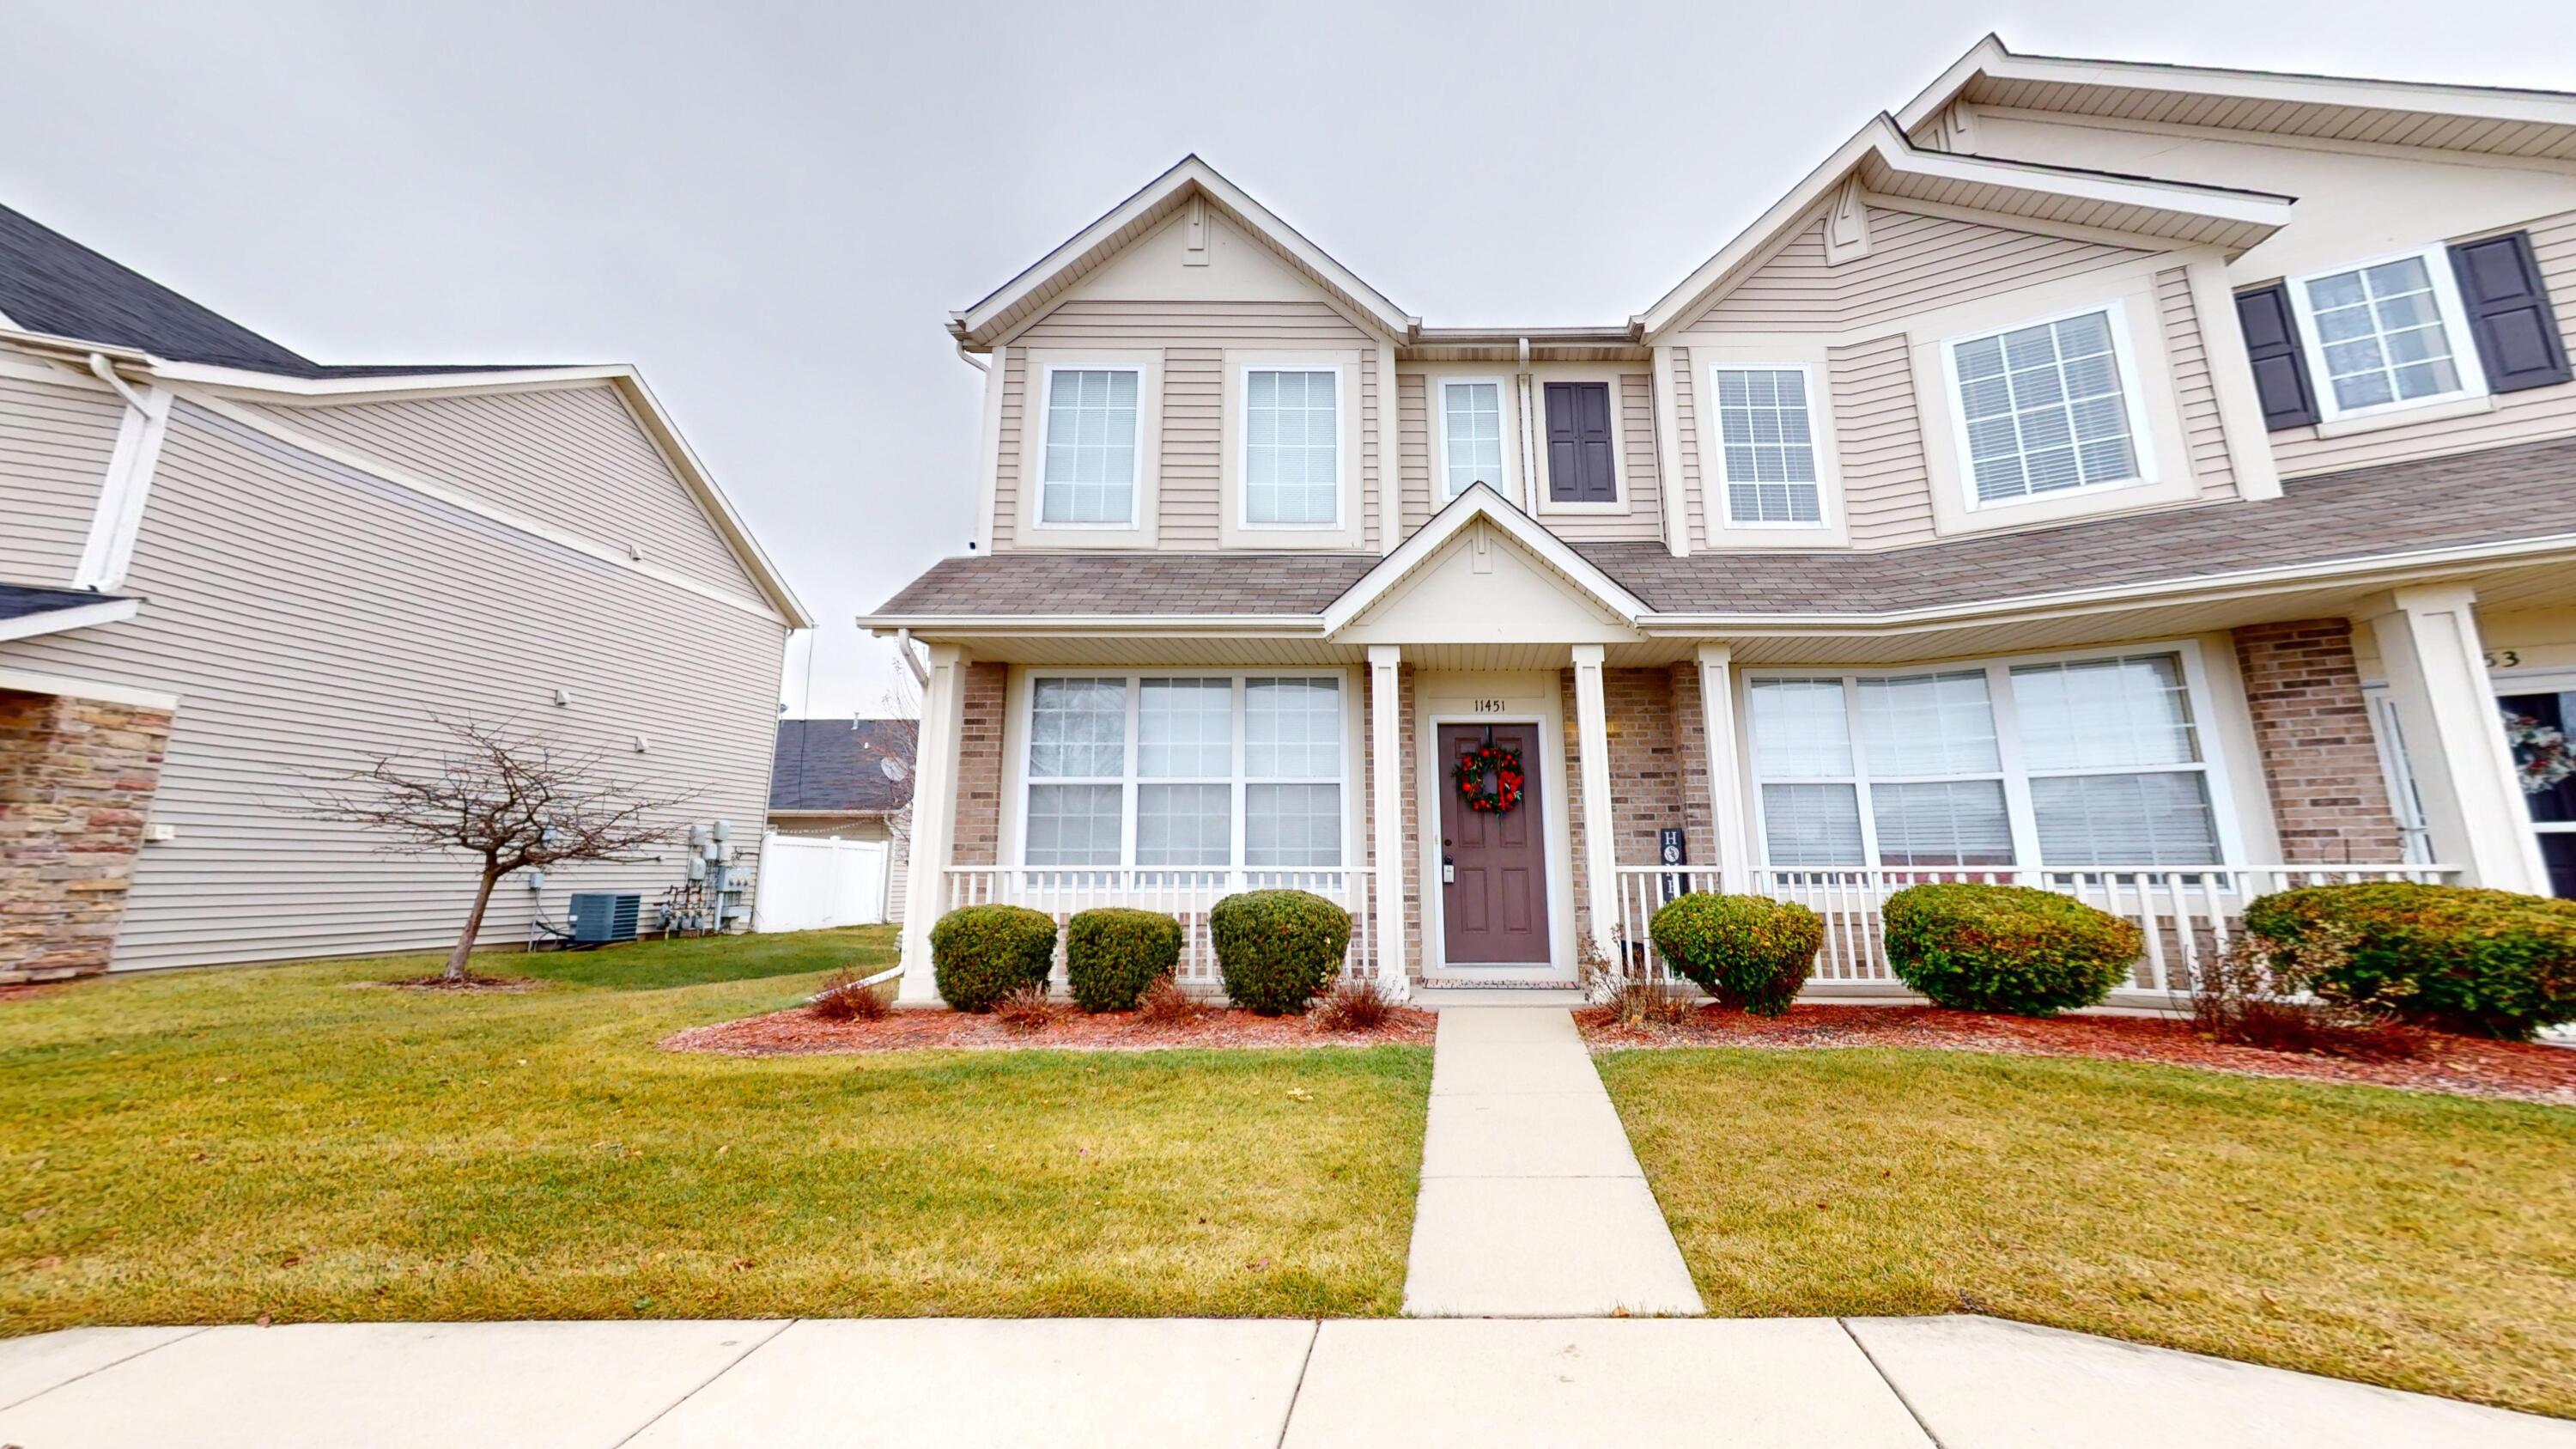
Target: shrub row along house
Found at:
227, 572
2143, 482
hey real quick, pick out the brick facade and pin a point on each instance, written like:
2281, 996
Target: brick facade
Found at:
2312, 727
985, 699
1652, 783
76, 783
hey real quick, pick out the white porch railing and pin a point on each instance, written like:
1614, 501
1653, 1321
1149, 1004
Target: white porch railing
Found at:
1185, 894
2188, 915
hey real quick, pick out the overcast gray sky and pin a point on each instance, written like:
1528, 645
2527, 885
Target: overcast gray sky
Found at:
772, 208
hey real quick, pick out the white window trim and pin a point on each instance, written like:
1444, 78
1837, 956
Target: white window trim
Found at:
2455, 330
2019, 811
1620, 482
1343, 431
1439, 404
1819, 419
1136, 450
1022, 729
2124, 353
1038, 367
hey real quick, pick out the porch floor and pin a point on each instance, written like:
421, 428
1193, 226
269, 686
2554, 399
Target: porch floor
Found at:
1523, 1141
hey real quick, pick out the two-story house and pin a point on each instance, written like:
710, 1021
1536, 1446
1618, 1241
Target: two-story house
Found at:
2149, 483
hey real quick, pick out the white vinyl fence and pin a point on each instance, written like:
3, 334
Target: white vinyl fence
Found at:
807, 884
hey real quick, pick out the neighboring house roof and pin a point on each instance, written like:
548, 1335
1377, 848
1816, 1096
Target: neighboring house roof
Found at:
2488, 119
52, 284
2493, 499
27, 610
1160, 199
837, 766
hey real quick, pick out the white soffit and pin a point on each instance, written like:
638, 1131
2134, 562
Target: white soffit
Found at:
1047, 278
1890, 165
2486, 120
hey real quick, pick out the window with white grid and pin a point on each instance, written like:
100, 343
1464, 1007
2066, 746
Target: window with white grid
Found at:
1087, 460
2046, 409
1471, 435
2387, 334
1292, 447
2088, 763
1185, 771
1766, 447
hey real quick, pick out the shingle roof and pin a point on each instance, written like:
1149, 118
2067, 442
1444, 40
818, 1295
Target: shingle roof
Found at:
52, 284
2394, 508
20, 601
838, 765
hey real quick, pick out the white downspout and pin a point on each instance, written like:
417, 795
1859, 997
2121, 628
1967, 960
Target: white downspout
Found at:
1529, 436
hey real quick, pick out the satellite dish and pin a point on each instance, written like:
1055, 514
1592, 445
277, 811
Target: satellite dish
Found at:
894, 769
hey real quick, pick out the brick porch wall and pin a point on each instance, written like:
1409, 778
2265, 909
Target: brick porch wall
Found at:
2312, 728
1690, 741
986, 698
76, 783
1648, 769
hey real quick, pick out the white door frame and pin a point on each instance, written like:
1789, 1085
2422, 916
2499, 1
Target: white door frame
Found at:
1520, 704
2535, 681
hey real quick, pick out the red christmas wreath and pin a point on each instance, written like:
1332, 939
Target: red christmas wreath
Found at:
1498, 762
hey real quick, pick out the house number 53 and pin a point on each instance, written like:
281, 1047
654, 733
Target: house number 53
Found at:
2504, 659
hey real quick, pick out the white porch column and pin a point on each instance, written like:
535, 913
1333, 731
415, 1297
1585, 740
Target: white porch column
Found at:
1386, 826
1734, 840
1600, 848
934, 810
2437, 675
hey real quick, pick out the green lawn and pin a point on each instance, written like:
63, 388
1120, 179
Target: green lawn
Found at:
2417, 1241
211, 1146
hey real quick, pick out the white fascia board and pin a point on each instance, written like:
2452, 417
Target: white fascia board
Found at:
79, 616
1268, 626
1189, 172
1882, 138
2372, 569
1480, 501
29, 681
713, 499
1992, 58
355, 389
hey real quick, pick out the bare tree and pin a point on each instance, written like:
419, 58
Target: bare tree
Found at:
516, 803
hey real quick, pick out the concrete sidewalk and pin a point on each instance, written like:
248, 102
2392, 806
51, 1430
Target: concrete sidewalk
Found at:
1522, 1143
1941, 1383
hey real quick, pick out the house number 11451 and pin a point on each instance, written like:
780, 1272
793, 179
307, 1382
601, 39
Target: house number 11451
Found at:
1489, 706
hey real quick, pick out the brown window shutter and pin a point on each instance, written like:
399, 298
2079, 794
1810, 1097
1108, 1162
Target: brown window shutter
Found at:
1580, 466
2280, 367
2509, 313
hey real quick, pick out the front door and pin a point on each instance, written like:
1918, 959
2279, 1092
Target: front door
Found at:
1493, 897
2539, 722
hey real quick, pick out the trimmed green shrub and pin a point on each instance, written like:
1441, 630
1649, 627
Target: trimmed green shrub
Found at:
1747, 951
980, 954
1275, 950
2481, 962
1112, 954
2013, 949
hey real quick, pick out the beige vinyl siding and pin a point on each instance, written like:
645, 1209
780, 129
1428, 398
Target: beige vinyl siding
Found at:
309, 615
2194, 394
572, 457
2518, 417
1878, 441
1915, 264
1193, 337
1639, 488
55, 443
1695, 499
1417, 493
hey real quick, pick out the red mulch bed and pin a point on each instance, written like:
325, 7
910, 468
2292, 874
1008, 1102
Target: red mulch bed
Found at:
798, 1032
2464, 1066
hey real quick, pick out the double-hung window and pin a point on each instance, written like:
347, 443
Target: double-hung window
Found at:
2387, 335
1767, 448
1087, 458
1292, 447
1174, 772
2047, 408
2074, 764
1471, 434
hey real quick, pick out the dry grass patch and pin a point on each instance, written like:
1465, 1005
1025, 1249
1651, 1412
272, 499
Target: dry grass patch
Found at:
2418, 1241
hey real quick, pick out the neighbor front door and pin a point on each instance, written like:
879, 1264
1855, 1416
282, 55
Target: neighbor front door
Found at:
1493, 899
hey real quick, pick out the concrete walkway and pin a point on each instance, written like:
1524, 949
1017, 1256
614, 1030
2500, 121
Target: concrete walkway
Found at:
1817, 1383
1532, 1204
